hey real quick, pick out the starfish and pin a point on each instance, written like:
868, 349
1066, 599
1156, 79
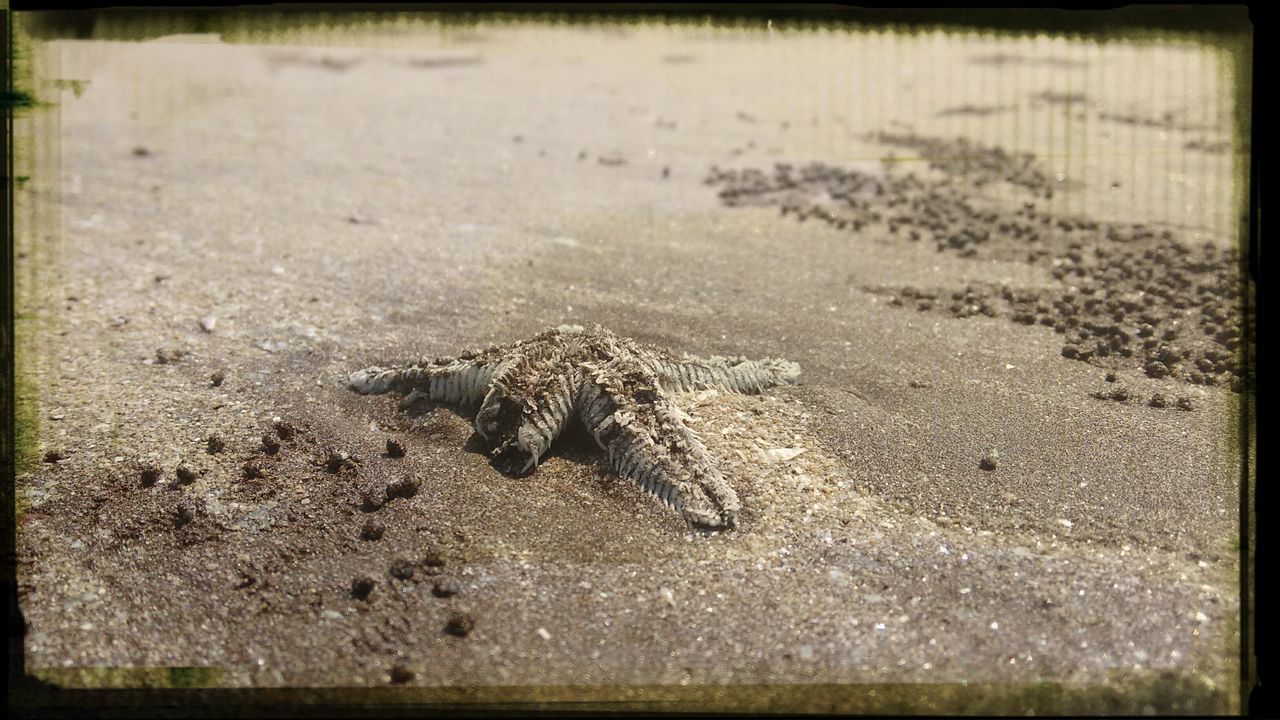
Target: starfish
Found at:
621, 391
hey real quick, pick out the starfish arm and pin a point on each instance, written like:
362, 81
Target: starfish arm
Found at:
529, 401
733, 374
629, 415
460, 381
527, 426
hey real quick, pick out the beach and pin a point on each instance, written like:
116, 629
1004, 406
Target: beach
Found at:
972, 482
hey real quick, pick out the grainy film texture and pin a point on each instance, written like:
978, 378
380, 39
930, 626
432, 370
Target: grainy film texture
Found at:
985, 292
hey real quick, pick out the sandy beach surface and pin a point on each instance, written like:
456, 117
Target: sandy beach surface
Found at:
217, 234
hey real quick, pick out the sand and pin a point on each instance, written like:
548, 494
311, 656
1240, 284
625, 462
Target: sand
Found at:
281, 216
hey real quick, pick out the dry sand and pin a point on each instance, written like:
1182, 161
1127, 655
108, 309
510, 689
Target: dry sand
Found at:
332, 208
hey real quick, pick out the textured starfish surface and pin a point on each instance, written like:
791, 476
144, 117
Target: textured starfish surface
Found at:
620, 389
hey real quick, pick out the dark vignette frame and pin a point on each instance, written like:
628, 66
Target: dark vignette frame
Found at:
60, 19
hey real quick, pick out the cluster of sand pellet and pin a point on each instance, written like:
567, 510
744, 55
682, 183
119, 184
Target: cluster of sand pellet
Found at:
1128, 293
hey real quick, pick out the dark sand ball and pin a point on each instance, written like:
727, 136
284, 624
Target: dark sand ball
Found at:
1185, 403
185, 475
149, 475
362, 586
53, 456
166, 356
403, 488
1170, 355
432, 560
283, 429
270, 445
372, 530
334, 461
394, 448
183, 513
990, 460
216, 379
401, 674
1158, 400
215, 445
401, 569
460, 625
372, 496
1117, 394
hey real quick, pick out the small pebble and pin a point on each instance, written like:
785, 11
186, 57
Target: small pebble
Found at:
990, 460
394, 448
207, 323
361, 586
460, 625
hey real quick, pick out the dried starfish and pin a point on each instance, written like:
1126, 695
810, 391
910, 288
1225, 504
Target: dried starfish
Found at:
621, 390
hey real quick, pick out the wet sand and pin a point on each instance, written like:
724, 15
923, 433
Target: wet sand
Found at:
325, 209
